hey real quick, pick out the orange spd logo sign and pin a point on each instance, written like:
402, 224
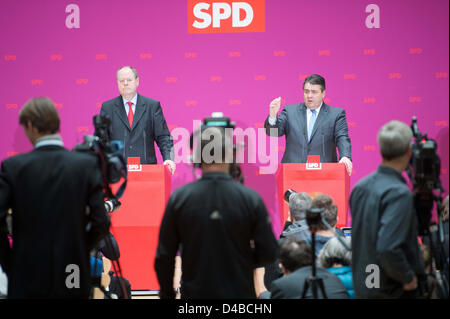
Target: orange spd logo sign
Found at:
226, 16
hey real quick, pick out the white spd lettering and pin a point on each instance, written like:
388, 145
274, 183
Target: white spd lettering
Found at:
222, 11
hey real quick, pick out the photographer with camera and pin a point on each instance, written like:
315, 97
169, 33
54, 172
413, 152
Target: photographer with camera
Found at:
58, 213
299, 203
295, 258
221, 227
385, 225
329, 215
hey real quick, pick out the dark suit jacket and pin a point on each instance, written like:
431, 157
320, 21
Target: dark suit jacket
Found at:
330, 131
149, 125
48, 191
292, 285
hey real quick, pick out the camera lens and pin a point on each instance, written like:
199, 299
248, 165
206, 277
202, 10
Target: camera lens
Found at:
313, 216
288, 194
109, 206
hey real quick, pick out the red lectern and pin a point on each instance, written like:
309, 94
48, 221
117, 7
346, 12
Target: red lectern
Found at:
331, 179
136, 224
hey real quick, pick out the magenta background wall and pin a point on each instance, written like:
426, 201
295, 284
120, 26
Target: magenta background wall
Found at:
378, 74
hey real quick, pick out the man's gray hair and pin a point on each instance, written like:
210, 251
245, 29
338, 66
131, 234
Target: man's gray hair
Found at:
333, 252
131, 68
299, 203
394, 139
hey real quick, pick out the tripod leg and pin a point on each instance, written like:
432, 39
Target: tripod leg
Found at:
305, 288
314, 288
322, 288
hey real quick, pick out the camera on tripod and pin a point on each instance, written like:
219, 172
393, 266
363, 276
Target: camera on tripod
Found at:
313, 215
114, 168
424, 173
314, 218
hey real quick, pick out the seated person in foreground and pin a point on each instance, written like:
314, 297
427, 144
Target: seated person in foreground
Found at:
296, 257
338, 260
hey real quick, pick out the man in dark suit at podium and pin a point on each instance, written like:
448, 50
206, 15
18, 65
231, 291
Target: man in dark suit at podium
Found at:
138, 121
58, 213
312, 127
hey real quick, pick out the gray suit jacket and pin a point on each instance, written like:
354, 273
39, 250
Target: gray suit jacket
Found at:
149, 125
330, 131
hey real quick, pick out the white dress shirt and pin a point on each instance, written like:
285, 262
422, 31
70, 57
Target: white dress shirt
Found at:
127, 107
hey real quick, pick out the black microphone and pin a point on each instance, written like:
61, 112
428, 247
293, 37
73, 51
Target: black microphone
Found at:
125, 136
145, 147
323, 144
306, 145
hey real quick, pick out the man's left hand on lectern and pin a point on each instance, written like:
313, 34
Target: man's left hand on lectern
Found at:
348, 164
170, 165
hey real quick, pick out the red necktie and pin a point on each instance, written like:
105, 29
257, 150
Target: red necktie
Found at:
130, 114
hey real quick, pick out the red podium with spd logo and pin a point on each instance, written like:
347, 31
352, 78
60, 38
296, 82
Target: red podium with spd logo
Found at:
135, 225
314, 177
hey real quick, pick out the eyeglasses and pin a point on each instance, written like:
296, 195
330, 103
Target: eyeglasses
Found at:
312, 92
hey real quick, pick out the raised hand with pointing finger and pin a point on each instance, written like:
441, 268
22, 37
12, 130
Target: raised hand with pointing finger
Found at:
275, 107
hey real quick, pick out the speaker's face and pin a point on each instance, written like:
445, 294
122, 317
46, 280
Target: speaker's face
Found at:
127, 83
313, 95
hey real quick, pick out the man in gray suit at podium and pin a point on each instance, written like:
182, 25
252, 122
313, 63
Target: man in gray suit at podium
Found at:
312, 127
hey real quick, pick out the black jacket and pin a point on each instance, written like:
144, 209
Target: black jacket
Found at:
48, 191
224, 232
292, 286
298, 229
384, 235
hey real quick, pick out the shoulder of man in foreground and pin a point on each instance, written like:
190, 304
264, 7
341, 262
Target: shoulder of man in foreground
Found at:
83, 156
236, 187
24, 158
388, 180
292, 285
15, 159
288, 285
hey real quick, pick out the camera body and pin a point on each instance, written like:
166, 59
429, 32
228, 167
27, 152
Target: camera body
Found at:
217, 120
347, 231
425, 163
110, 156
314, 218
424, 173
